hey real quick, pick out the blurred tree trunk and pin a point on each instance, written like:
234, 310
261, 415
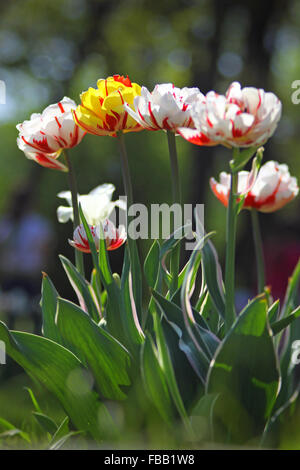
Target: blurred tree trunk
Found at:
206, 81
265, 20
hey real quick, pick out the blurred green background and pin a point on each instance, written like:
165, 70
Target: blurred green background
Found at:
53, 48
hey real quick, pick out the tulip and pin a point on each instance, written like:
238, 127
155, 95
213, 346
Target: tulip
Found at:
244, 117
273, 188
102, 112
96, 206
167, 107
45, 135
114, 237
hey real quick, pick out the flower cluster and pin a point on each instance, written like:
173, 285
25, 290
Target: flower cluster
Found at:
243, 117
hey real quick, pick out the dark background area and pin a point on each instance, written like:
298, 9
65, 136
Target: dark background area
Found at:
49, 49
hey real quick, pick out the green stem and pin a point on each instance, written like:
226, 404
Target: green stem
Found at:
125, 169
132, 246
231, 223
176, 191
259, 254
76, 218
174, 167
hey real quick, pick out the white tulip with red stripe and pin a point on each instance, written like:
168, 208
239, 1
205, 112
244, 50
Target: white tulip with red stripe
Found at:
273, 188
114, 237
244, 117
44, 136
167, 107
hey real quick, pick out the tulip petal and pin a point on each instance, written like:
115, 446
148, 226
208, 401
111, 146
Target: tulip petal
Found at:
194, 136
64, 214
46, 160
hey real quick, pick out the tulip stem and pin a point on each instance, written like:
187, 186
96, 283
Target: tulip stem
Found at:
174, 167
76, 219
176, 191
231, 223
259, 254
132, 246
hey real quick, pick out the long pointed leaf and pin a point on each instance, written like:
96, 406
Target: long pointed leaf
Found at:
61, 372
245, 373
106, 357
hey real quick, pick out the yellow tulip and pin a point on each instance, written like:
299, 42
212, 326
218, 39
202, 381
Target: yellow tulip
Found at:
102, 112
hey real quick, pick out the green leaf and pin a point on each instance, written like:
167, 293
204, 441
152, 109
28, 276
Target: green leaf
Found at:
246, 375
174, 313
166, 364
106, 276
151, 265
199, 354
62, 430
194, 275
94, 284
176, 298
60, 442
285, 338
168, 246
103, 260
155, 382
49, 305
213, 277
33, 399
188, 364
61, 372
106, 357
170, 243
282, 430
136, 270
153, 272
80, 286
129, 315
241, 158
45, 422
280, 325
6, 427
204, 410
287, 343
204, 341
187, 379
209, 314
10, 433
291, 293
273, 311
